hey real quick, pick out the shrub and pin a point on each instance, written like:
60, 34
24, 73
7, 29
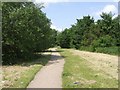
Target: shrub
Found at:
105, 41
108, 50
90, 48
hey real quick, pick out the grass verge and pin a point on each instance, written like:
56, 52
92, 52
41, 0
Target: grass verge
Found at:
19, 76
77, 74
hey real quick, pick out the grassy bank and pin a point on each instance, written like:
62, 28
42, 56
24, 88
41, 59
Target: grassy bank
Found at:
20, 75
78, 74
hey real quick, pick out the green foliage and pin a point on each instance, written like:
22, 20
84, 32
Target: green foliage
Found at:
90, 48
89, 35
105, 41
26, 30
53, 37
108, 50
65, 39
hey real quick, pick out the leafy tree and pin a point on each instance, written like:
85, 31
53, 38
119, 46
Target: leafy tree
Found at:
26, 30
105, 41
65, 39
89, 34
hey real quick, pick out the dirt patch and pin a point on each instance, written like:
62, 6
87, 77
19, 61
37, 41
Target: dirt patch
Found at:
99, 61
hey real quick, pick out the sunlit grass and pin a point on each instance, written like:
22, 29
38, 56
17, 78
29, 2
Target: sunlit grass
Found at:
77, 74
19, 76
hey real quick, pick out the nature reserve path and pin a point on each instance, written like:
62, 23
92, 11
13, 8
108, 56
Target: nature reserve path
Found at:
50, 76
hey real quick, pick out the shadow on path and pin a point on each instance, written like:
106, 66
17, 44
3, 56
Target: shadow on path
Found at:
53, 51
50, 76
38, 58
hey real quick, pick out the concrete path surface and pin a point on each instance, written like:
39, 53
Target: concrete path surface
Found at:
50, 76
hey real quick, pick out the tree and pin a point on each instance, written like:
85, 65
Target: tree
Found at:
26, 30
64, 39
87, 33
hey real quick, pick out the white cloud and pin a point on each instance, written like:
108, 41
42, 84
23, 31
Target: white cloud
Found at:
114, 16
47, 2
56, 28
50, 1
107, 9
116, 0
54, 1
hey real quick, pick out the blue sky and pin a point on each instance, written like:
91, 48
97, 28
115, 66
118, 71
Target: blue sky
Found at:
64, 14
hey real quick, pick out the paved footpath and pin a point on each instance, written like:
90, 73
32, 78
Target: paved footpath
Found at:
50, 76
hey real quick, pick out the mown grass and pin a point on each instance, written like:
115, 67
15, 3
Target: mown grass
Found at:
77, 74
22, 79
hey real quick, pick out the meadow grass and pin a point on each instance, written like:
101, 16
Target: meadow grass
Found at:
19, 76
77, 73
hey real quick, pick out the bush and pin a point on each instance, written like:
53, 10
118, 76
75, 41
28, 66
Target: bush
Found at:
90, 48
105, 41
108, 50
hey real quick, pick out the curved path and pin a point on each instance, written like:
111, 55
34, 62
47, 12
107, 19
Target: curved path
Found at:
50, 76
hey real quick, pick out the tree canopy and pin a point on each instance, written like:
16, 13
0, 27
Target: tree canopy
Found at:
88, 33
25, 30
